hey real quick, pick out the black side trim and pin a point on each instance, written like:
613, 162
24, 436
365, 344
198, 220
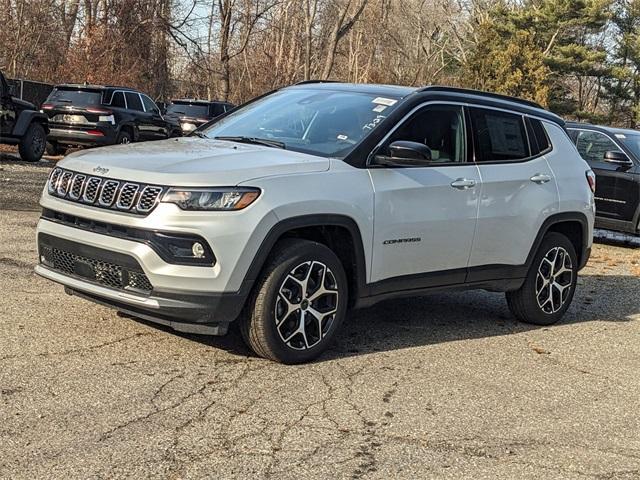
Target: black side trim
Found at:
317, 220
418, 281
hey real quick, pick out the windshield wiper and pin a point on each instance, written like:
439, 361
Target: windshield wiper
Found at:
197, 133
255, 141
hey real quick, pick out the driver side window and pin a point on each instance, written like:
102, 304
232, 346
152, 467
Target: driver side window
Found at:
438, 127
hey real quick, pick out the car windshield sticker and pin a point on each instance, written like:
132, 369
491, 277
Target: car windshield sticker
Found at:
384, 101
342, 137
379, 108
620, 135
374, 123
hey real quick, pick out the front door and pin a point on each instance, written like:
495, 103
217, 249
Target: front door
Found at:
425, 216
614, 183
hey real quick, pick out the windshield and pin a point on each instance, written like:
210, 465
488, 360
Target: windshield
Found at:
320, 122
78, 97
632, 142
189, 110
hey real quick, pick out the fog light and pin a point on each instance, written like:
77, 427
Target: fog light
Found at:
198, 250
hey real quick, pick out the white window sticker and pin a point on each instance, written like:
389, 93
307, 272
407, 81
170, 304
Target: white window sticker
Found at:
379, 108
384, 101
620, 135
342, 137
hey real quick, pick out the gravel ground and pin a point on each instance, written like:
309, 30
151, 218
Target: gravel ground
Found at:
446, 386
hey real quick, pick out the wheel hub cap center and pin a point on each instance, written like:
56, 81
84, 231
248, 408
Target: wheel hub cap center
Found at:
304, 304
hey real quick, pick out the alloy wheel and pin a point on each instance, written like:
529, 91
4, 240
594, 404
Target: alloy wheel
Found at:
124, 140
554, 280
306, 305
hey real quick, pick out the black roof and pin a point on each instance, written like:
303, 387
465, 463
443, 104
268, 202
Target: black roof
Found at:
439, 92
95, 87
196, 101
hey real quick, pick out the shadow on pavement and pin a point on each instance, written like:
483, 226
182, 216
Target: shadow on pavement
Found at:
448, 317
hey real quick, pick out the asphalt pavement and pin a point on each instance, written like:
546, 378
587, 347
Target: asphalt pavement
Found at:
444, 386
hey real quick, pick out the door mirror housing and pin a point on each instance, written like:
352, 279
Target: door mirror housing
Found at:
404, 153
617, 158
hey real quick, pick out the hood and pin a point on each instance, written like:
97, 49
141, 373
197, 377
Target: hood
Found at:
192, 161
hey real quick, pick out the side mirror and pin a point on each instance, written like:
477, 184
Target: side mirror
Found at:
617, 158
404, 153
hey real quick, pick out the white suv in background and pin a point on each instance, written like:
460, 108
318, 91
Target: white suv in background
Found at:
321, 197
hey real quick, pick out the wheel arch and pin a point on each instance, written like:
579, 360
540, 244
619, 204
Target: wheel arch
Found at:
573, 225
338, 232
26, 118
130, 129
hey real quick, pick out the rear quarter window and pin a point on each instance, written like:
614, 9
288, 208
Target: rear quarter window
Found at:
538, 137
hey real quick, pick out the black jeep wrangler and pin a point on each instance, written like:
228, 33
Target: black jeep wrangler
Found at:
21, 124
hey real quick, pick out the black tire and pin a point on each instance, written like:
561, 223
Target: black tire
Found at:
525, 303
33, 143
124, 138
55, 149
260, 326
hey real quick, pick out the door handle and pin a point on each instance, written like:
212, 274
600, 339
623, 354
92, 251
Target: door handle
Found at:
540, 178
463, 183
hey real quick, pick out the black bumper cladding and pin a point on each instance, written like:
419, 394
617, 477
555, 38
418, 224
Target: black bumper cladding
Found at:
94, 265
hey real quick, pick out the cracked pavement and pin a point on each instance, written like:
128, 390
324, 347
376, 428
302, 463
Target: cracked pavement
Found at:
445, 386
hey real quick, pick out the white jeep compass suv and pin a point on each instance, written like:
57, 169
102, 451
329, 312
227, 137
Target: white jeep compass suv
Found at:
321, 197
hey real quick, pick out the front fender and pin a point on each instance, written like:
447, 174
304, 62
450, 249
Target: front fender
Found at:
25, 119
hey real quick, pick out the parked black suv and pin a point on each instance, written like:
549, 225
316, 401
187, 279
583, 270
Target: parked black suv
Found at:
614, 156
193, 113
21, 124
96, 115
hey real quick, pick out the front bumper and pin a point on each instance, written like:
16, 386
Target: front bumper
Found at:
74, 135
175, 296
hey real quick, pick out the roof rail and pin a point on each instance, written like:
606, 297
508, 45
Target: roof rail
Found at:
305, 82
468, 91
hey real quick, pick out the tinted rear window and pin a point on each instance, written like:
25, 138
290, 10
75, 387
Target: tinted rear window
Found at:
133, 101
538, 136
77, 96
189, 110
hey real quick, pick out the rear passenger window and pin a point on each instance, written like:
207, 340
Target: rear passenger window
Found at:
118, 100
133, 101
538, 139
499, 136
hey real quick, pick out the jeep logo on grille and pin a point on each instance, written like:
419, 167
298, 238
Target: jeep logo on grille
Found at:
100, 170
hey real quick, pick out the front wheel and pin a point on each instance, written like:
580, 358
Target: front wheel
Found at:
297, 304
550, 283
33, 143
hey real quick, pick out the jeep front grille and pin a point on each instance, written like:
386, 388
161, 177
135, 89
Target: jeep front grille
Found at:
101, 192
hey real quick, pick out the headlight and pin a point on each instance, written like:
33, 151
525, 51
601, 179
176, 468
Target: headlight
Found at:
211, 198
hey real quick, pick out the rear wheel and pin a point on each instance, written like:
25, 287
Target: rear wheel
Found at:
124, 138
550, 284
33, 142
297, 304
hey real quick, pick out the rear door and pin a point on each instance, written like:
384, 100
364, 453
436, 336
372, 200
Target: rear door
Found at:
518, 193
614, 183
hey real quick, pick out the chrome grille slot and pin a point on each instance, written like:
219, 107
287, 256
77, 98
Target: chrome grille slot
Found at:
53, 180
148, 198
108, 193
76, 186
104, 192
127, 196
91, 190
64, 183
